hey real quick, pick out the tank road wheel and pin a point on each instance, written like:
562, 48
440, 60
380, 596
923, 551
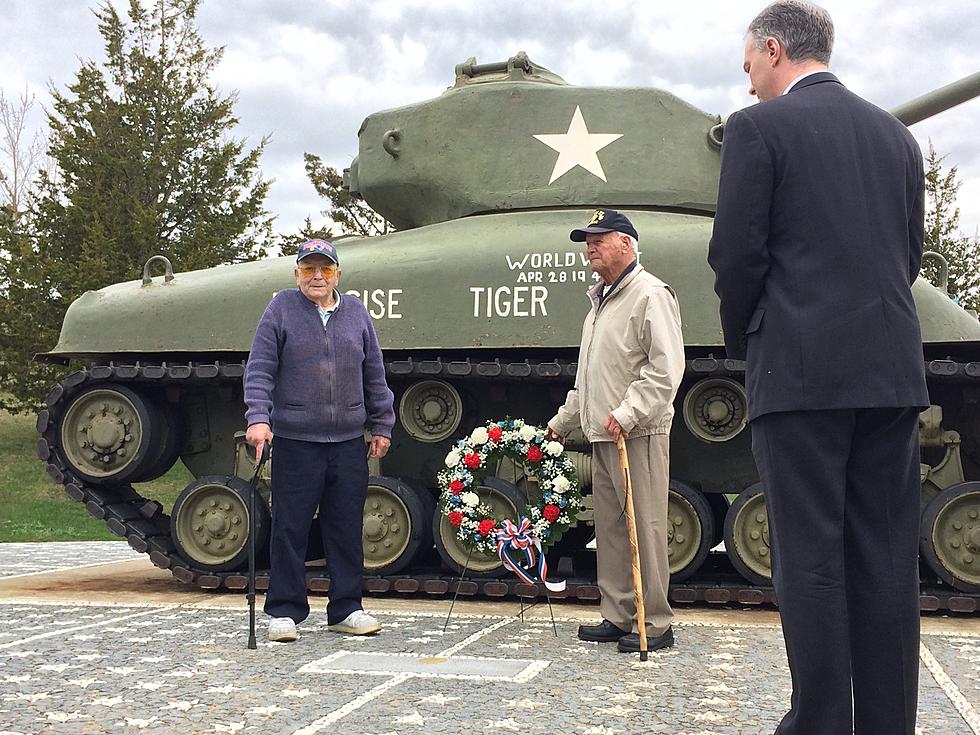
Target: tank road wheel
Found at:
109, 434
430, 410
396, 524
209, 523
168, 448
715, 409
747, 536
950, 541
690, 530
506, 502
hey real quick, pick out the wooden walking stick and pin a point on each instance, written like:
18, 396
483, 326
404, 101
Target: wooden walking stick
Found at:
641, 625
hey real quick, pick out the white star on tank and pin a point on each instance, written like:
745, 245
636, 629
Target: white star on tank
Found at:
578, 147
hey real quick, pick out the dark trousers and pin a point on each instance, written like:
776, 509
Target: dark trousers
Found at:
334, 477
842, 488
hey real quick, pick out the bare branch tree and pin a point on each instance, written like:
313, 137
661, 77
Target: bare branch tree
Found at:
21, 152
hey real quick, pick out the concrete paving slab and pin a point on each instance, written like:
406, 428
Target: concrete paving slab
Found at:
123, 648
31, 558
435, 666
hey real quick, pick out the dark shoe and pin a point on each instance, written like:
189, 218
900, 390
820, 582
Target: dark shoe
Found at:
631, 643
604, 632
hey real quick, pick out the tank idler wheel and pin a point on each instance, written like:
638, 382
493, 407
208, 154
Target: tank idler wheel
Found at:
505, 501
950, 540
209, 523
430, 410
109, 434
747, 536
690, 530
396, 524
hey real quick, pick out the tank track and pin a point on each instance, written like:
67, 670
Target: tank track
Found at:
146, 527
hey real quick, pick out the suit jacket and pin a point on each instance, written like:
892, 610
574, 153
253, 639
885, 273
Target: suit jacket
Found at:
817, 240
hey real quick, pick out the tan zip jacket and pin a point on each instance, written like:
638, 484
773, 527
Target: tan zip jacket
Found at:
630, 363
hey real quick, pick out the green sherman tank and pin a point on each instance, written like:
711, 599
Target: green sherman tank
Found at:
478, 299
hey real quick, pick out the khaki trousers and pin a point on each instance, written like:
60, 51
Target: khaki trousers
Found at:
649, 475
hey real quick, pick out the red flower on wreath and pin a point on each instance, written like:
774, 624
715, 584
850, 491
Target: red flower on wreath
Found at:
455, 518
456, 487
486, 526
472, 460
534, 454
551, 513
495, 433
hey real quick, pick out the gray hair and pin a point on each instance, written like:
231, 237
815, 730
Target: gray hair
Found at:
804, 30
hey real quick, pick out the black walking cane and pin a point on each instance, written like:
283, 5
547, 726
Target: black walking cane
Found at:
253, 491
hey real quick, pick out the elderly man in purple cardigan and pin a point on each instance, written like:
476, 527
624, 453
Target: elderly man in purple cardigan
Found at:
316, 380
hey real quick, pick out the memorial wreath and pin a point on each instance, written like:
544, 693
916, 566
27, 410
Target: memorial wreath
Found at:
544, 522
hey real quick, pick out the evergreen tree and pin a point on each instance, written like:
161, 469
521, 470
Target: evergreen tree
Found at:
351, 213
289, 243
943, 236
145, 165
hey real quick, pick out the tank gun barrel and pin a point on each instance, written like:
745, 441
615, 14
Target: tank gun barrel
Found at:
939, 100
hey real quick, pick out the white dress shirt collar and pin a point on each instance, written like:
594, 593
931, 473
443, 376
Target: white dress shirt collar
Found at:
800, 77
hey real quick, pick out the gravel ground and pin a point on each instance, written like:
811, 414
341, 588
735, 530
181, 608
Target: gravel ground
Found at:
184, 668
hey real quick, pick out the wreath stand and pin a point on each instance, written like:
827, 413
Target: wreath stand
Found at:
519, 544
452, 604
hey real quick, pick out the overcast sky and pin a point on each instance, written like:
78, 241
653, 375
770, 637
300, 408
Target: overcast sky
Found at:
307, 72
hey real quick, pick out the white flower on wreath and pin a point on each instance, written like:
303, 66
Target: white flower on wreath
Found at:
479, 436
561, 484
527, 432
471, 499
553, 448
452, 459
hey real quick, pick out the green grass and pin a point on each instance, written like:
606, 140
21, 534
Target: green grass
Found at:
34, 508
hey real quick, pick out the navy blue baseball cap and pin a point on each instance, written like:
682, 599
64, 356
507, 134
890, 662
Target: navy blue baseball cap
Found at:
605, 220
318, 247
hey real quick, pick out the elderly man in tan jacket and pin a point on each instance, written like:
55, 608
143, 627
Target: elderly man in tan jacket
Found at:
630, 366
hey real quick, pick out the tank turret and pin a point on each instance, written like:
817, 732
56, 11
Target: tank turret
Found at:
514, 136
478, 302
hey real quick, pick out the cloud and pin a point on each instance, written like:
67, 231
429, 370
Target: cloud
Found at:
309, 73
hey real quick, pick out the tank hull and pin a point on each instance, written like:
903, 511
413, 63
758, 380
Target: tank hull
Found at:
486, 282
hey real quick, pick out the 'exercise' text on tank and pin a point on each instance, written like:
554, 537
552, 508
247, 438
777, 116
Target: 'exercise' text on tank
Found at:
381, 303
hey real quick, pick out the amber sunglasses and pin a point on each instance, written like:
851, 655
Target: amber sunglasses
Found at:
310, 270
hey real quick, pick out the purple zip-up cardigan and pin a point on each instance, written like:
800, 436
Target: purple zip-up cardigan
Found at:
313, 382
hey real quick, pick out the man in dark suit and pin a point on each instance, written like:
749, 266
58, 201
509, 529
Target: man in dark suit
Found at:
817, 240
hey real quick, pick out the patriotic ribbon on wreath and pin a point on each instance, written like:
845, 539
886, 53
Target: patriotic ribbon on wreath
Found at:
520, 537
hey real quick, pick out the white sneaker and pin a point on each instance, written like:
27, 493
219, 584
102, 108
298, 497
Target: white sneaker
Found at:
282, 630
357, 623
